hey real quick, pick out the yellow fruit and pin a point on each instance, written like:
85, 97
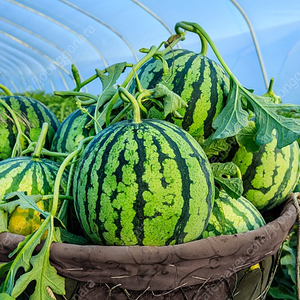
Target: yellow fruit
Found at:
256, 266
25, 221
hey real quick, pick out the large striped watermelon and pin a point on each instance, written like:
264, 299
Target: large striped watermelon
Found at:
201, 83
269, 174
231, 216
147, 183
34, 177
72, 130
31, 115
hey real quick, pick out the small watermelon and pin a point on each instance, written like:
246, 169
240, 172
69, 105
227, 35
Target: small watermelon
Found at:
146, 183
72, 130
231, 216
269, 174
34, 177
31, 114
199, 81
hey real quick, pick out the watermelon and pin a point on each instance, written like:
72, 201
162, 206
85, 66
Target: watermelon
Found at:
231, 216
31, 115
199, 81
72, 130
33, 176
269, 174
146, 183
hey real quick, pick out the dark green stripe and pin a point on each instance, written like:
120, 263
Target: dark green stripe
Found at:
10, 125
70, 125
116, 132
251, 170
241, 213
188, 119
203, 163
18, 179
286, 179
49, 173
178, 81
214, 98
23, 116
13, 163
139, 204
119, 178
228, 226
179, 234
161, 157
62, 133
97, 145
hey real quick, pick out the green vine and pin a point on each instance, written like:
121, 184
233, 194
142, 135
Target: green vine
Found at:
6, 90
125, 95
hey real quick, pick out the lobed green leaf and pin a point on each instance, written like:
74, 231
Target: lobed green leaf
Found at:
233, 117
233, 186
172, 101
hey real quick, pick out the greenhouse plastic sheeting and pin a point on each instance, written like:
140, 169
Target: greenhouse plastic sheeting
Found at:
40, 40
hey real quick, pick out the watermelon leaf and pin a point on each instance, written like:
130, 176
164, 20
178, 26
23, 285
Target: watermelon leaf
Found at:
233, 117
114, 72
42, 273
172, 101
108, 89
233, 186
108, 81
71, 238
214, 146
36, 266
246, 137
14, 199
267, 119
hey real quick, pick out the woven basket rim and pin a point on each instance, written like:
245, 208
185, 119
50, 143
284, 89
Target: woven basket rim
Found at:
165, 267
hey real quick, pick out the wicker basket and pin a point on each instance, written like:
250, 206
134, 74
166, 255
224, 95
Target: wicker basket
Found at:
212, 268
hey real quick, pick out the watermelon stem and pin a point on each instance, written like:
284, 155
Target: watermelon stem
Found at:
87, 81
270, 93
125, 95
41, 141
193, 27
93, 98
121, 114
76, 77
6, 90
169, 46
239, 173
113, 100
61, 170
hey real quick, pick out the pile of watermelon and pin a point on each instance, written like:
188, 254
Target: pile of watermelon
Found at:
179, 151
